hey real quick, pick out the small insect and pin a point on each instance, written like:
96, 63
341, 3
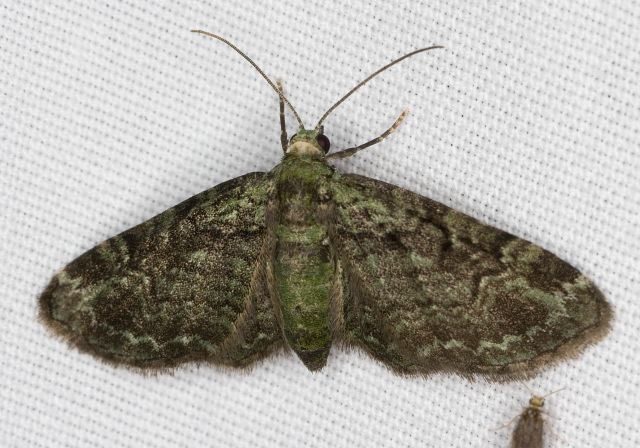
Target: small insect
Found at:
528, 432
304, 257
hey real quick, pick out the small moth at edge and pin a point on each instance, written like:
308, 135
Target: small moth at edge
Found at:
304, 257
529, 430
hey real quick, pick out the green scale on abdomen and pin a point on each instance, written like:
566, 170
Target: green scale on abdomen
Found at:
304, 267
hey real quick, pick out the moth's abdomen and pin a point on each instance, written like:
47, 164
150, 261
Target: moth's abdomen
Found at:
304, 268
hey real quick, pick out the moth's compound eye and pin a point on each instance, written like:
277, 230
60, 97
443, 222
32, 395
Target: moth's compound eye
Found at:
292, 137
324, 142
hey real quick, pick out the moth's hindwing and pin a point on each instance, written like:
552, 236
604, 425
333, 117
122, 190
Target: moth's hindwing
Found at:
188, 284
430, 289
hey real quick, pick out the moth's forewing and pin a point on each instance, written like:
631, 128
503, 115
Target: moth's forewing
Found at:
427, 288
528, 432
188, 284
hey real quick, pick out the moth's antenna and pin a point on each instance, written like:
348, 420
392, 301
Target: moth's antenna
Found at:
554, 392
273, 86
366, 80
533, 393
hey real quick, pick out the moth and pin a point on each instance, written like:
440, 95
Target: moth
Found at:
304, 257
529, 430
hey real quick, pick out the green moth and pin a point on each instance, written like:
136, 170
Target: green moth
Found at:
303, 258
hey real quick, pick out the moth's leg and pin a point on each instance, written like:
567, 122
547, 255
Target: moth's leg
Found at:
509, 423
547, 418
351, 151
284, 140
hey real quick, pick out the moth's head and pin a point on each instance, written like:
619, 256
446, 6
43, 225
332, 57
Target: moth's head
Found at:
536, 401
311, 143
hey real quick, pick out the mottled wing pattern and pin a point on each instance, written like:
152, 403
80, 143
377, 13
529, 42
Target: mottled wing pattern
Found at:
528, 432
426, 288
188, 284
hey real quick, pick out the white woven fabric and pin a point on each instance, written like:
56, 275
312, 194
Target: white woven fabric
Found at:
111, 112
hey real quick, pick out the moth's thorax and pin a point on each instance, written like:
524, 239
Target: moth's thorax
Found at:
305, 144
304, 267
305, 148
